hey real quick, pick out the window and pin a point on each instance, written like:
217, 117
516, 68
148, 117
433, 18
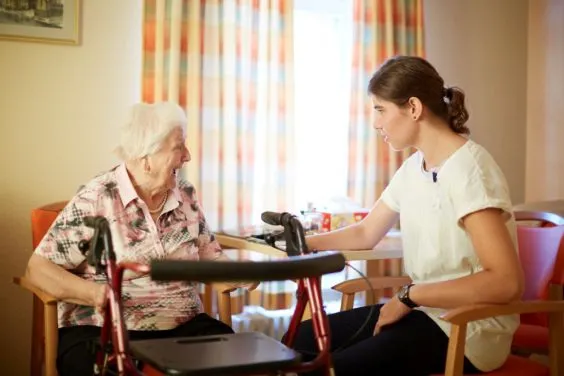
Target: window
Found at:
322, 61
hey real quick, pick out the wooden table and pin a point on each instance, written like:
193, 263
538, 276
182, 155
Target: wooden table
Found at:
389, 248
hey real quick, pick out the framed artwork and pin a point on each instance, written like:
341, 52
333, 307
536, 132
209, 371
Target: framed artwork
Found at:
47, 21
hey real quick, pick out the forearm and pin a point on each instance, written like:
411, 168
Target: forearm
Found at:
362, 235
60, 283
484, 287
350, 237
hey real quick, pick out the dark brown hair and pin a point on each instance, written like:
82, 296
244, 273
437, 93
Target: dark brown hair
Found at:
403, 77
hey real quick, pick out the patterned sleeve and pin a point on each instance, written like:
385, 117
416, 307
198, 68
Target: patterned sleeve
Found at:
208, 247
60, 244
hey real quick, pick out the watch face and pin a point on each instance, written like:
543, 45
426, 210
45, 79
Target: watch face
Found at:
403, 296
403, 292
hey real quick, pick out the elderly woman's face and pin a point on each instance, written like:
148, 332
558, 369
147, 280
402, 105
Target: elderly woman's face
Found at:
166, 162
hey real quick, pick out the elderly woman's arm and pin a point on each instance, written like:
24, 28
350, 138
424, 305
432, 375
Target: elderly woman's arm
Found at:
57, 256
63, 285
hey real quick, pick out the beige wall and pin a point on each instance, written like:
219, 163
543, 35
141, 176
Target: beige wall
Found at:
545, 97
59, 107
481, 46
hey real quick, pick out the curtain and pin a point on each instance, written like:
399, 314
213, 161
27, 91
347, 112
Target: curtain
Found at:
382, 28
229, 64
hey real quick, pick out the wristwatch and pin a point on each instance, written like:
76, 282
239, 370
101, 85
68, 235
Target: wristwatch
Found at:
403, 296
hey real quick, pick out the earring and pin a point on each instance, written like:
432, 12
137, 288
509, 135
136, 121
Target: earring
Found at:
146, 166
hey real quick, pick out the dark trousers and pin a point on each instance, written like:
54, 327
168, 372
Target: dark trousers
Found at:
77, 344
414, 346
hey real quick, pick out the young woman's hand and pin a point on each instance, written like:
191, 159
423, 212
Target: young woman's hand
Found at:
391, 312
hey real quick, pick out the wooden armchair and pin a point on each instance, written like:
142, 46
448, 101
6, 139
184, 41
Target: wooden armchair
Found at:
460, 317
515, 365
539, 251
44, 337
532, 336
45, 341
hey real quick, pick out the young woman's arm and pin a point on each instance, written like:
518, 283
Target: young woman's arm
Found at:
501, 281
362, 235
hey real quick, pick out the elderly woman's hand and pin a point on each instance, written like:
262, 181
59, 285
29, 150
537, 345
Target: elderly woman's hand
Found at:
250, 286
100, 297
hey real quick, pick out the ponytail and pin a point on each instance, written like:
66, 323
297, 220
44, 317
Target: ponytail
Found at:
456, 111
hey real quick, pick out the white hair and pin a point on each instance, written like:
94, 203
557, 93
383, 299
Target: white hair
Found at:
147, 127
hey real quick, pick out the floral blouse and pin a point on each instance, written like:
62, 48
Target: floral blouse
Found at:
180, 232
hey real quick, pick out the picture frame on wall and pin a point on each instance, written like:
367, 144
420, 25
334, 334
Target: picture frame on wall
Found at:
43, 21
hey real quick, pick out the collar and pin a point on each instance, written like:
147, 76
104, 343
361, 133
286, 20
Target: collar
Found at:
176, 194
125, 187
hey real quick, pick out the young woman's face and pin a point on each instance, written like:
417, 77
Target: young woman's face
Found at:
394, 123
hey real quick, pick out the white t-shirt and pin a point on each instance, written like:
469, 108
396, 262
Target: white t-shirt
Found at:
436, 247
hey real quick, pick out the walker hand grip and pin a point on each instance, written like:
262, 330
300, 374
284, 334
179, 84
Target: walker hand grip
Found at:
310, 265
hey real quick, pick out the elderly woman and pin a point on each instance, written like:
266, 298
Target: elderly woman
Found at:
152, 214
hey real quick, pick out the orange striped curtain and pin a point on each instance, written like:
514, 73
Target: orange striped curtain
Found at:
382, 28
229, 64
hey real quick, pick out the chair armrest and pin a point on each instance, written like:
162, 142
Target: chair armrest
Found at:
224, 291
461, 316
466, 314
377, 283
43, 296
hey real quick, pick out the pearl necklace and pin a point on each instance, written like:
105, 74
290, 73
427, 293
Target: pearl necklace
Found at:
161, 206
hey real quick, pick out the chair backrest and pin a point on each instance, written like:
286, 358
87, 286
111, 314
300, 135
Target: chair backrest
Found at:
541, 250
42, 218
546, 219
543, 219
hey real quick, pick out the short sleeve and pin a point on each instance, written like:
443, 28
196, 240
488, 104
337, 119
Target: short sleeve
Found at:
208, 247
60, 244
392, 194
484, 187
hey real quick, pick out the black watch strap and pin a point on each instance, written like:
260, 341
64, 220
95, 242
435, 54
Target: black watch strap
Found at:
403, 296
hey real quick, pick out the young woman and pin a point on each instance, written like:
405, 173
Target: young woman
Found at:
458, 234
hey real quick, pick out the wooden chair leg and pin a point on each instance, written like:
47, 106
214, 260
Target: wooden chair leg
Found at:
37, 338
51, 339
374, 268
556, 352
208, 299
347, 302
455, 354
225, 307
